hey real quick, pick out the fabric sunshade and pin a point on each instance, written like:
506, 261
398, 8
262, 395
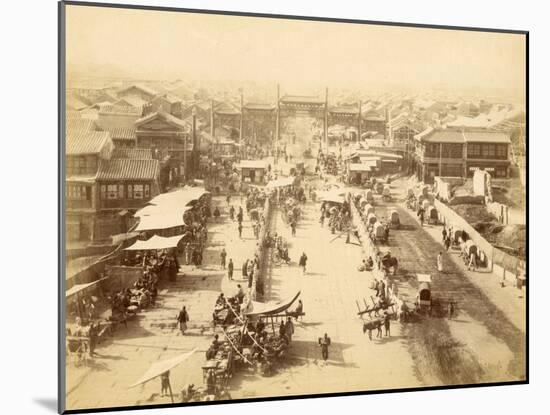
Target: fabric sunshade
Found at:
155, 242
255, 308
158, 368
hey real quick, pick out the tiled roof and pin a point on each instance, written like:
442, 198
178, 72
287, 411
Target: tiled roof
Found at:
302, 99
123, 133
345, 109
80, 142
141, 87
171, 99
170, 119
460, 137
133, 101
259, 106
120, 109
486, 137
132, 153
76, 125
444, 136
75, 103
226, 108
128, 169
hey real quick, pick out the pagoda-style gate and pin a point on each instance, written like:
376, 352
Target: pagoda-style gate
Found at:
247, 117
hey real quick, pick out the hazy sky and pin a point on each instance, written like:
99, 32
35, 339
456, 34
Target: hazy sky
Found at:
168, 45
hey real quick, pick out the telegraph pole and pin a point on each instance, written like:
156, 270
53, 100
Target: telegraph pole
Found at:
326, 118
241, 121
212, 118
359, 123
277, 125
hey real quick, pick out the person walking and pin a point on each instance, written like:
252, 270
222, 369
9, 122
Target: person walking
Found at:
421, 216
451, 309
303, 262
293, 228
447, 243
472, 263
223, 255
188, 253
230, 269
444, 234
289, 326
165, 387
440, 262
240, 229
245, 268
232, 213
183, 318
387, 324
324, 344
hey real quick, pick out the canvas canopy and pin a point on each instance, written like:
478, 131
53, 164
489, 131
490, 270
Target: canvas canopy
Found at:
335, 196
158, 368
158, 210
155, 242
181, 197
255, 308
161, 221
77, 288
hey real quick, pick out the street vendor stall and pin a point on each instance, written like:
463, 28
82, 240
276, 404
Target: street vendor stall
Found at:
163, 368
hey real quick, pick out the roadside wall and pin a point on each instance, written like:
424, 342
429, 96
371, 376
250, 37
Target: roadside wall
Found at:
498, 261
499, 210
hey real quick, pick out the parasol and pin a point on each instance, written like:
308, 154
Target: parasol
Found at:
159, 368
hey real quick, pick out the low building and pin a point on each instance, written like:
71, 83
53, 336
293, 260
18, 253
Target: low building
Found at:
124, 137
167, 103
111, 117
253, 171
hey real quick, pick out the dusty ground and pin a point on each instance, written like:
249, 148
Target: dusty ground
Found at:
483, 343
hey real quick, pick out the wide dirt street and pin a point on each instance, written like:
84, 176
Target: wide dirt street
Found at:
483, 343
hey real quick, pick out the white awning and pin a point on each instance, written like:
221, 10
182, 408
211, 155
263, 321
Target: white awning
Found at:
181, 197
165, 220
155, 242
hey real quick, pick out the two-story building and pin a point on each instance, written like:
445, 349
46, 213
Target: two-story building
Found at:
125, 185
85, 148
103, 184
459, 153
171, 141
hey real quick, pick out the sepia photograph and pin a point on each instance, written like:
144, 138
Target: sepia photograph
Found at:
267, 207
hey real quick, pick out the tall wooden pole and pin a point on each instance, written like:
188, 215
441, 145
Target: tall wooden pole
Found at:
241, 122
212, 118
326, 118
277, 124
359, 123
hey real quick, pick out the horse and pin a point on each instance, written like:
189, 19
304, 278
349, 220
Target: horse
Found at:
373, 324
390, 262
